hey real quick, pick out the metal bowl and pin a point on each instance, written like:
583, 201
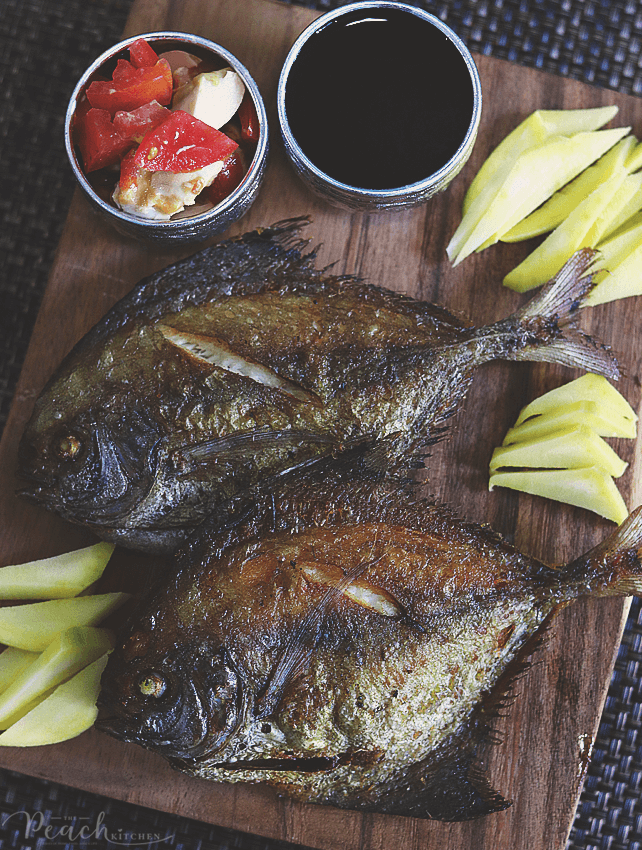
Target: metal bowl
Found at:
354, 197
183, 227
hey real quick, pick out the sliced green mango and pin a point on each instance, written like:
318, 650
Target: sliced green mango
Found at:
588, 387
635, 159
534, 177
626, 202
66, 713
562, 203
58, 577
589, 488
623, 281
34, 626
534, 130
571, 235
601, 419
68, 653
24, 709
573, 447
12, 662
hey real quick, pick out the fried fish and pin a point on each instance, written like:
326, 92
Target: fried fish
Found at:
347, 644
245, 363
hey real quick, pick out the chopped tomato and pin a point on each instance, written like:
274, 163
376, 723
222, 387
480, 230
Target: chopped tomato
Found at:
182, 144
128, 171
99, 141
134, 124
132, 90
122, 70
226, 180
142, 54
249, 119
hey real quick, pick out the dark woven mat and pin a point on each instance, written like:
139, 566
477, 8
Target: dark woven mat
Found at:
44, 47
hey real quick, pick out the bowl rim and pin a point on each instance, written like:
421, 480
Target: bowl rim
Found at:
203, 218
420, 186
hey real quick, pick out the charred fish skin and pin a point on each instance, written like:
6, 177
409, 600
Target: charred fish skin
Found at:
245, 363
362, 640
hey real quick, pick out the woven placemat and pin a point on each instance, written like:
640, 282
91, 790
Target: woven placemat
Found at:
44, 48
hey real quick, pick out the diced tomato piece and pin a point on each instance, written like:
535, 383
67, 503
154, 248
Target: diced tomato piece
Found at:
142, 54
226, 180
129, 92
181, 144
123, 70
249, 119
133, 125
99, 141
129, 172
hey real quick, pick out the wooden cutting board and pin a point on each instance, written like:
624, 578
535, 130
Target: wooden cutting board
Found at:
548, 731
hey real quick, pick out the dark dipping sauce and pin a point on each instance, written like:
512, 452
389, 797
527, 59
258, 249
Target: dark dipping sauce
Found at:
379, 99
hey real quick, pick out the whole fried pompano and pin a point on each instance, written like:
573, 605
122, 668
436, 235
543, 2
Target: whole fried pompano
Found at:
347, 645
244, 362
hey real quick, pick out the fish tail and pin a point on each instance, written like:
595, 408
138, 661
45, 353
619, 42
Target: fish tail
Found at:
542, 330
614, 566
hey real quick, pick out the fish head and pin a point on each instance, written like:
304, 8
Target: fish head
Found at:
88, 451
183, 699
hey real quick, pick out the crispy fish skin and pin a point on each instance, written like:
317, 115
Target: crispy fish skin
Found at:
348, 645
244, 363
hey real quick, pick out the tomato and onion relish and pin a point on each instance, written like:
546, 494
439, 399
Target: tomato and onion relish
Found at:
379, 99
159, 135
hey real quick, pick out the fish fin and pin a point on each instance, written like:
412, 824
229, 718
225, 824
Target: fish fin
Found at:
614, 566
241, 265
453, 789
539, 330
564, 293
575, 349
304, 639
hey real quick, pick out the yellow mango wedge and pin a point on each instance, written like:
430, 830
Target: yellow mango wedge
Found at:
68, 653
601, 419
34, 626
590, 488
66, 713
534, 130
573, 233
534, 177
562, 203
573, 447
626, 202
635, 159
12, 662
623, 281
55, 578
588, 387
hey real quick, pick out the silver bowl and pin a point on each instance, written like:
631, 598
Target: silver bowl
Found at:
353, 197
183, 227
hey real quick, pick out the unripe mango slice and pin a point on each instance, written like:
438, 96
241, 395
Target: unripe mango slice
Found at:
574, 447
55, 578
34, 626
12, 662
562, 203
68, 653
67, 712
590, 488
588, 387
534, 130
590, 413
533, 178
578, 230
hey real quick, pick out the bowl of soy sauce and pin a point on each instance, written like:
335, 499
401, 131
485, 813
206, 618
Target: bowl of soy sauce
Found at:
379, 105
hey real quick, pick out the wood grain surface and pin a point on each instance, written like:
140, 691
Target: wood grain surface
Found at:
557, 705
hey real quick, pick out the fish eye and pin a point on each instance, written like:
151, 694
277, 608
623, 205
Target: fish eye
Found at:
152, 685
68, 446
